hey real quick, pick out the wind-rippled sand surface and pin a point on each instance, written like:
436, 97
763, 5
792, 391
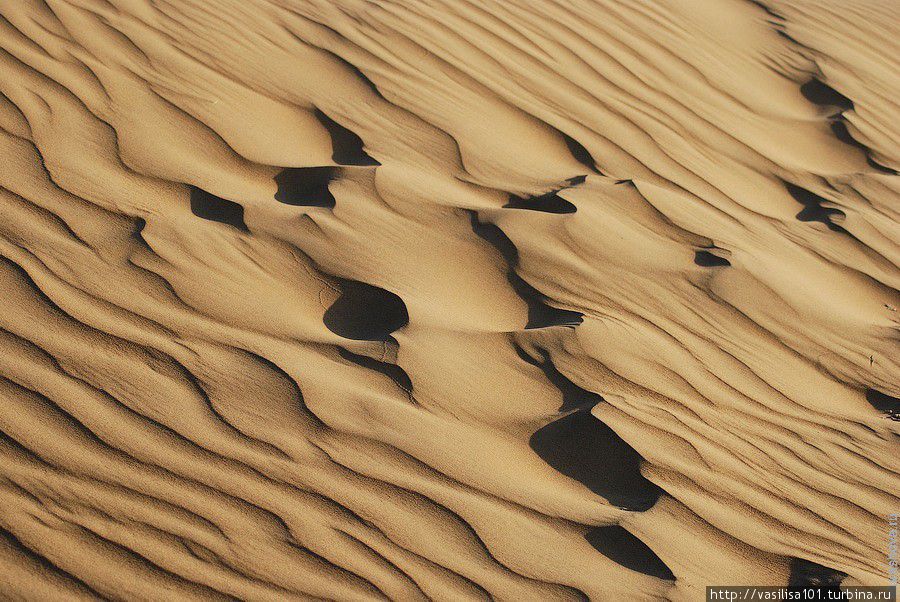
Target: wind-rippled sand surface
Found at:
448, 299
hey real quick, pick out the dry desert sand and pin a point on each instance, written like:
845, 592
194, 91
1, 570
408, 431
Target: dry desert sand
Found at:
447, 299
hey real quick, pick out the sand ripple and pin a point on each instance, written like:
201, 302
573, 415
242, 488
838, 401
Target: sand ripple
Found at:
446, 299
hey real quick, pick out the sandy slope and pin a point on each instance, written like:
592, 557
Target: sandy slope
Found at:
448, 299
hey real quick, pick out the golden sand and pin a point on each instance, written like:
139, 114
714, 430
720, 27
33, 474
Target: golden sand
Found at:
446, 299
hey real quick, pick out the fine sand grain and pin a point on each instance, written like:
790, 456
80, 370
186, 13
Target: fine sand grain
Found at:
523, 300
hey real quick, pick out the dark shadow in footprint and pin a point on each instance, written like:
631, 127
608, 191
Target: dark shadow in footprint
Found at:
392, 371
809, 574
365, 313
840, 130
306, 186
549, 202
209, 206
573, 396
888, 405
137, 233
585, 449
820, 93
580, 153
622, 547
539, 313
706, 259
813, 211
346, 145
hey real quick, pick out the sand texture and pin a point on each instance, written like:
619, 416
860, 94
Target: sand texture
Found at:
523, 300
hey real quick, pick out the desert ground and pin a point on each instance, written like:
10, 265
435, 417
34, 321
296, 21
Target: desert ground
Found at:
522, 300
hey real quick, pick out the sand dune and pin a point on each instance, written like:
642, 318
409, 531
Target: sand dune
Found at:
446, 299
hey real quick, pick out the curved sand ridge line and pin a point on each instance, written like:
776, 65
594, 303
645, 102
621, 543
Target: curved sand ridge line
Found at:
443, 299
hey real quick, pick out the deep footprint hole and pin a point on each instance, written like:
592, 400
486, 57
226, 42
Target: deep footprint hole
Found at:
813, 209
622, 547
365, 313
550, 202
884, 403
706, 259
306, 186
580, 153
805, 573
211, 207
820, 93
585, 449
346, 145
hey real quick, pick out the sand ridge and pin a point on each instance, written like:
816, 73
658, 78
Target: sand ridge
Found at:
444, 299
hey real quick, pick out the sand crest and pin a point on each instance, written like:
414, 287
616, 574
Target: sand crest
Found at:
447, 299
